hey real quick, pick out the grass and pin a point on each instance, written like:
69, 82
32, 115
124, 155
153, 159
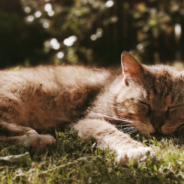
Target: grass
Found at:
74, 161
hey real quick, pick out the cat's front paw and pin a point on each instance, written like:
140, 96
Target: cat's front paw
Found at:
37, 141
125, 157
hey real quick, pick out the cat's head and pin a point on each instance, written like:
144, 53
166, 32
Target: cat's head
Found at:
152, 96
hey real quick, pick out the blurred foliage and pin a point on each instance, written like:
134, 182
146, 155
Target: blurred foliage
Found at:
20, 41
91, 32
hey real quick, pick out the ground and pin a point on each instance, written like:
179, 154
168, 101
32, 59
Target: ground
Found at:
76, 161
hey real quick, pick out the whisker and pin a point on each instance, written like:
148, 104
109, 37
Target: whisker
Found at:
128, 128
116, 118
131, 132
126, 123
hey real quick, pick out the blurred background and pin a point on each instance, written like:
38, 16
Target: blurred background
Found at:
90, 32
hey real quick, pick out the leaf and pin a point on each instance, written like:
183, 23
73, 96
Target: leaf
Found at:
132, 161
142, 165
82, 159
24, 159
147, 153
155, 168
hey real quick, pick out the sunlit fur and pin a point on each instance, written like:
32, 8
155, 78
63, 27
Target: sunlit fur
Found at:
160, 87
139, 98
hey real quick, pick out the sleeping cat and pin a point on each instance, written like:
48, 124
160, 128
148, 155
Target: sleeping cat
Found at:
147, 99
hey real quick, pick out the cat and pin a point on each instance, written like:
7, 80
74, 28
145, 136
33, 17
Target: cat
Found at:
147, 99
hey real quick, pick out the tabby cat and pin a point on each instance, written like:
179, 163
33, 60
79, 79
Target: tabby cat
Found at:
147, 99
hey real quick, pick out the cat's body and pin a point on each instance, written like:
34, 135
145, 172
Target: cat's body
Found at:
48, 96
143, 98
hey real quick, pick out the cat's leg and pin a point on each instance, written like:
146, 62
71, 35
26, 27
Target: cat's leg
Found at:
108, 136
14, 134
10, 129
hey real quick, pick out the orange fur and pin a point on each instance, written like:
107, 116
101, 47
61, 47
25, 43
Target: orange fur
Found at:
147, 99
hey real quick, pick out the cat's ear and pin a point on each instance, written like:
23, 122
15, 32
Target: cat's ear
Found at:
131, 68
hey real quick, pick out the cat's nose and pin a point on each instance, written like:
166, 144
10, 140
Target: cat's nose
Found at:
157, 126
157, 122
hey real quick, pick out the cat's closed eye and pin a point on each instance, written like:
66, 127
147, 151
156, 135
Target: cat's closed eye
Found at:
145, 107
174, 110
